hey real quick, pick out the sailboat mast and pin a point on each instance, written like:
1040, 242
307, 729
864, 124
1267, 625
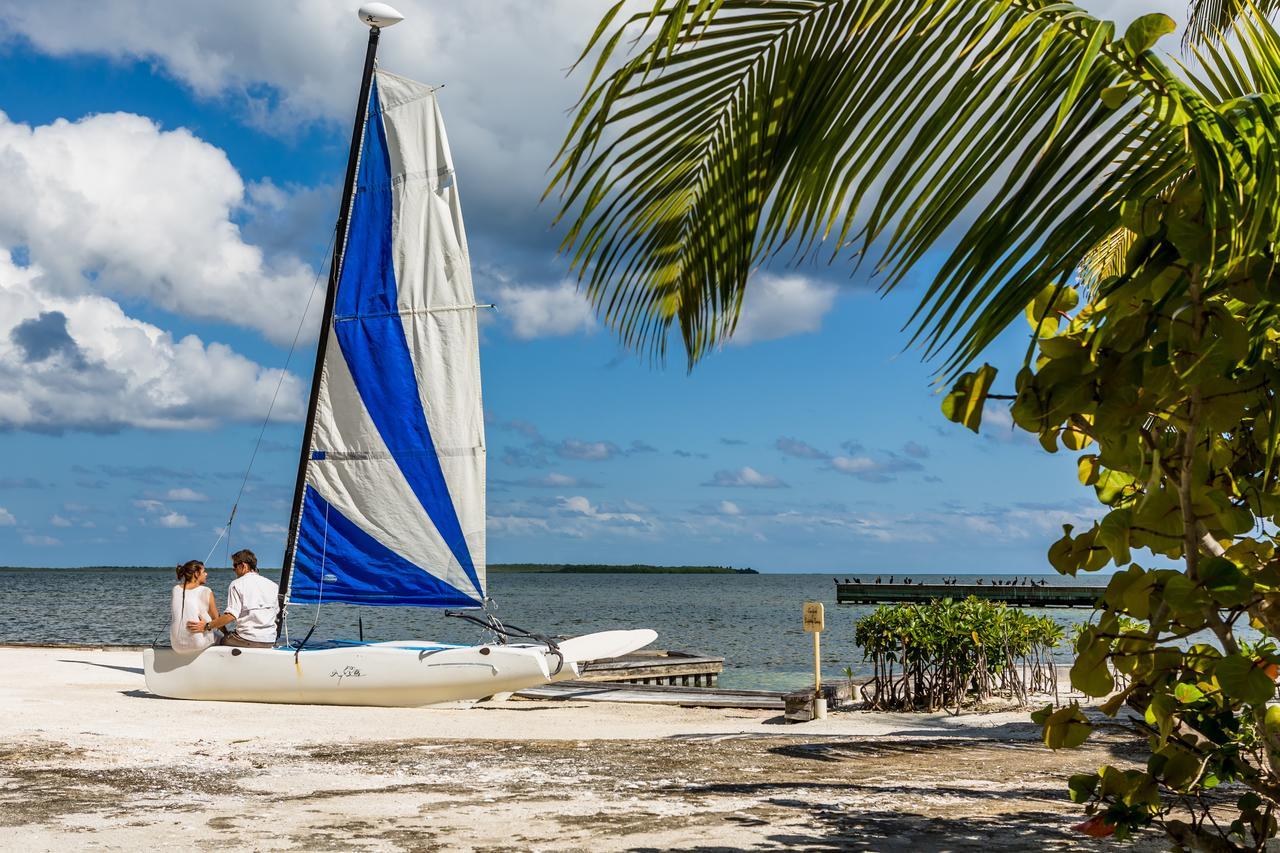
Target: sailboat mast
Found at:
335, 269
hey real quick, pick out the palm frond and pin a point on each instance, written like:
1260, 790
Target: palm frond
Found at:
1211, 20
887, 127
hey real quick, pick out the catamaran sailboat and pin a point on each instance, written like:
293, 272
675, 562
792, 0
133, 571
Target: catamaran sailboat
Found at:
389, 506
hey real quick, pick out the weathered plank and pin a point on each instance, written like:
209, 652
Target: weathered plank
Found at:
657, 667
689, 697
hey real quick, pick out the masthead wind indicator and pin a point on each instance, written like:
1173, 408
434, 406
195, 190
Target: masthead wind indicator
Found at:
379, 15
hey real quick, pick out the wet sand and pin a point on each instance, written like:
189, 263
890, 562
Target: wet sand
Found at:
90, 760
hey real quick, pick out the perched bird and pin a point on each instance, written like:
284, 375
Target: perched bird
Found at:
877, 579
857, 580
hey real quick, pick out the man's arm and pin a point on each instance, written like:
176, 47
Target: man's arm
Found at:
233, 607
201, 625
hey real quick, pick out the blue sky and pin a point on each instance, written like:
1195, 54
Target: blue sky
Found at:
170, 190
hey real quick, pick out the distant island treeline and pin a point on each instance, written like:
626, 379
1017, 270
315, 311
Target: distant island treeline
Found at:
531, 568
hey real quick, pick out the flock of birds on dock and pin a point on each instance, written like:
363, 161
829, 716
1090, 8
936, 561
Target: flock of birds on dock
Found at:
953, 581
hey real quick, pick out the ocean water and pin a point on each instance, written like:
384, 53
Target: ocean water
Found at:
753, 621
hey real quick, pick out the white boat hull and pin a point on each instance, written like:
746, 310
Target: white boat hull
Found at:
395, 674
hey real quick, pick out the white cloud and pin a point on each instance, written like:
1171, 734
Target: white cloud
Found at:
174, 519
592, 451
853, 464
270, 529
778, 306
112, 204
78, 361
185, 495
555, 480
573, 517
800, 449
745, 477
42, 541
6, 518
729, 508
579, 505
874, 470
544, 312
161, 516
59, 521
506, 87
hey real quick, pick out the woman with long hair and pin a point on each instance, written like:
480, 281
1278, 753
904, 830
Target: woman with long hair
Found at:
192, 601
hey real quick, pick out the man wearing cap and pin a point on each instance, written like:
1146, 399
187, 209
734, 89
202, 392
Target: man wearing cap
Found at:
252, 603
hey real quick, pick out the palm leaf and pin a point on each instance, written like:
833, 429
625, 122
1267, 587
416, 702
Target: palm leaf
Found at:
1210, 20
892, 128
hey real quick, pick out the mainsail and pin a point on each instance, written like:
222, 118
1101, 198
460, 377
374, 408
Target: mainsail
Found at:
391, 510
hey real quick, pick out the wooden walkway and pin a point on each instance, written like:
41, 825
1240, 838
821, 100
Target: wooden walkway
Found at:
689, 697
656, 666
1021, 596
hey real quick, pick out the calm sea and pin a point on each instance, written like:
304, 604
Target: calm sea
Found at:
753, 621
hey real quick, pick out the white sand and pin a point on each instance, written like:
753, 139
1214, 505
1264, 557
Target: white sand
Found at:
84, 695
88, 758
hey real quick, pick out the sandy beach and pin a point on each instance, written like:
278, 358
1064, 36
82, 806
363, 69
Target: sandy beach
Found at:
90, 760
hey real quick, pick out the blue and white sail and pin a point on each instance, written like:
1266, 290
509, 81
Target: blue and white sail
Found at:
393, 509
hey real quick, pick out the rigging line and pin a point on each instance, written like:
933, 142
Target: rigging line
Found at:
284, 371
513, 632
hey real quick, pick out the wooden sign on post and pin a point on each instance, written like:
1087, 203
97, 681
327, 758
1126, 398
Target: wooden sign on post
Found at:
813, 624
813, 617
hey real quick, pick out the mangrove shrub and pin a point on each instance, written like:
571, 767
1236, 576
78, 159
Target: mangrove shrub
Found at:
944, 653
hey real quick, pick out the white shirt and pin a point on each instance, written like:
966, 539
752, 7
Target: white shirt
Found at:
253, 601
191, 607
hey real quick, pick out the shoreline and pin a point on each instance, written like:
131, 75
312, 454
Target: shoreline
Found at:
89, 757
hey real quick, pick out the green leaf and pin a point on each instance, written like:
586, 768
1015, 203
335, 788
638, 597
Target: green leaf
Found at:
1042, 312
1113, 533
1176, 766
1090, 673
1145, 31
1224, 581
1060, 553
1113, 486
1184, 598
1242, 678
965, 402
1066, 728
1272, 721
1082, 786
1115, 96
1187, 693
1160, 713
1088, 469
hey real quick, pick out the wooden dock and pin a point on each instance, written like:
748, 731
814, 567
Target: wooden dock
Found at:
656, 666
1020, 596
657, 694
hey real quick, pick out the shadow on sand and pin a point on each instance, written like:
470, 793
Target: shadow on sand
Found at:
132, 670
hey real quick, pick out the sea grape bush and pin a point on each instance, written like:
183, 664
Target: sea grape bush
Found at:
1165, 377
944, 653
